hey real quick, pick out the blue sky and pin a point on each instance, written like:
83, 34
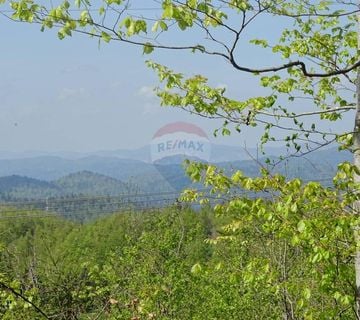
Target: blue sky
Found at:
72, 95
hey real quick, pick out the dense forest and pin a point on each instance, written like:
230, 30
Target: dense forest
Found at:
173, 263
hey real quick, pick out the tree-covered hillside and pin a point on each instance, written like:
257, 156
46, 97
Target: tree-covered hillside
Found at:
162, 264
15, 186
89, 183
80, 183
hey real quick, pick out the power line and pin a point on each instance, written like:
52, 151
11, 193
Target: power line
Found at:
111, 200
87, 208
75, 205
84, 205
89, 205
85, 198
109, 206
67, 214
111, 197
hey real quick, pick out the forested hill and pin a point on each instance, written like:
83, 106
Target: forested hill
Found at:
15, 181
86, 182
20, 187
81, 183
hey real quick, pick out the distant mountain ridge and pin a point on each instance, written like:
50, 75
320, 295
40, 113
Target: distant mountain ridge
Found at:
95, 175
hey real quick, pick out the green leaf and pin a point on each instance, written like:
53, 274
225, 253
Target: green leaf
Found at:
301, 226
225, 132
307, 293
163, 26
196, 268
101, 10
105, 36
294, 207
148, 48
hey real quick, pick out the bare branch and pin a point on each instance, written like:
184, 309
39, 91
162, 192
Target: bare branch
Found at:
21, 296
311, 113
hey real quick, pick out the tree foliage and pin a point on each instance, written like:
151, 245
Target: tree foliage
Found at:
156, 265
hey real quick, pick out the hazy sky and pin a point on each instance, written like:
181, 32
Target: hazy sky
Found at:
72, 95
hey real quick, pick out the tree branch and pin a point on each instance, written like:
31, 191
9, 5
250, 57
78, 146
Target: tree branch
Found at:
292, 64
293, 116
19, 295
